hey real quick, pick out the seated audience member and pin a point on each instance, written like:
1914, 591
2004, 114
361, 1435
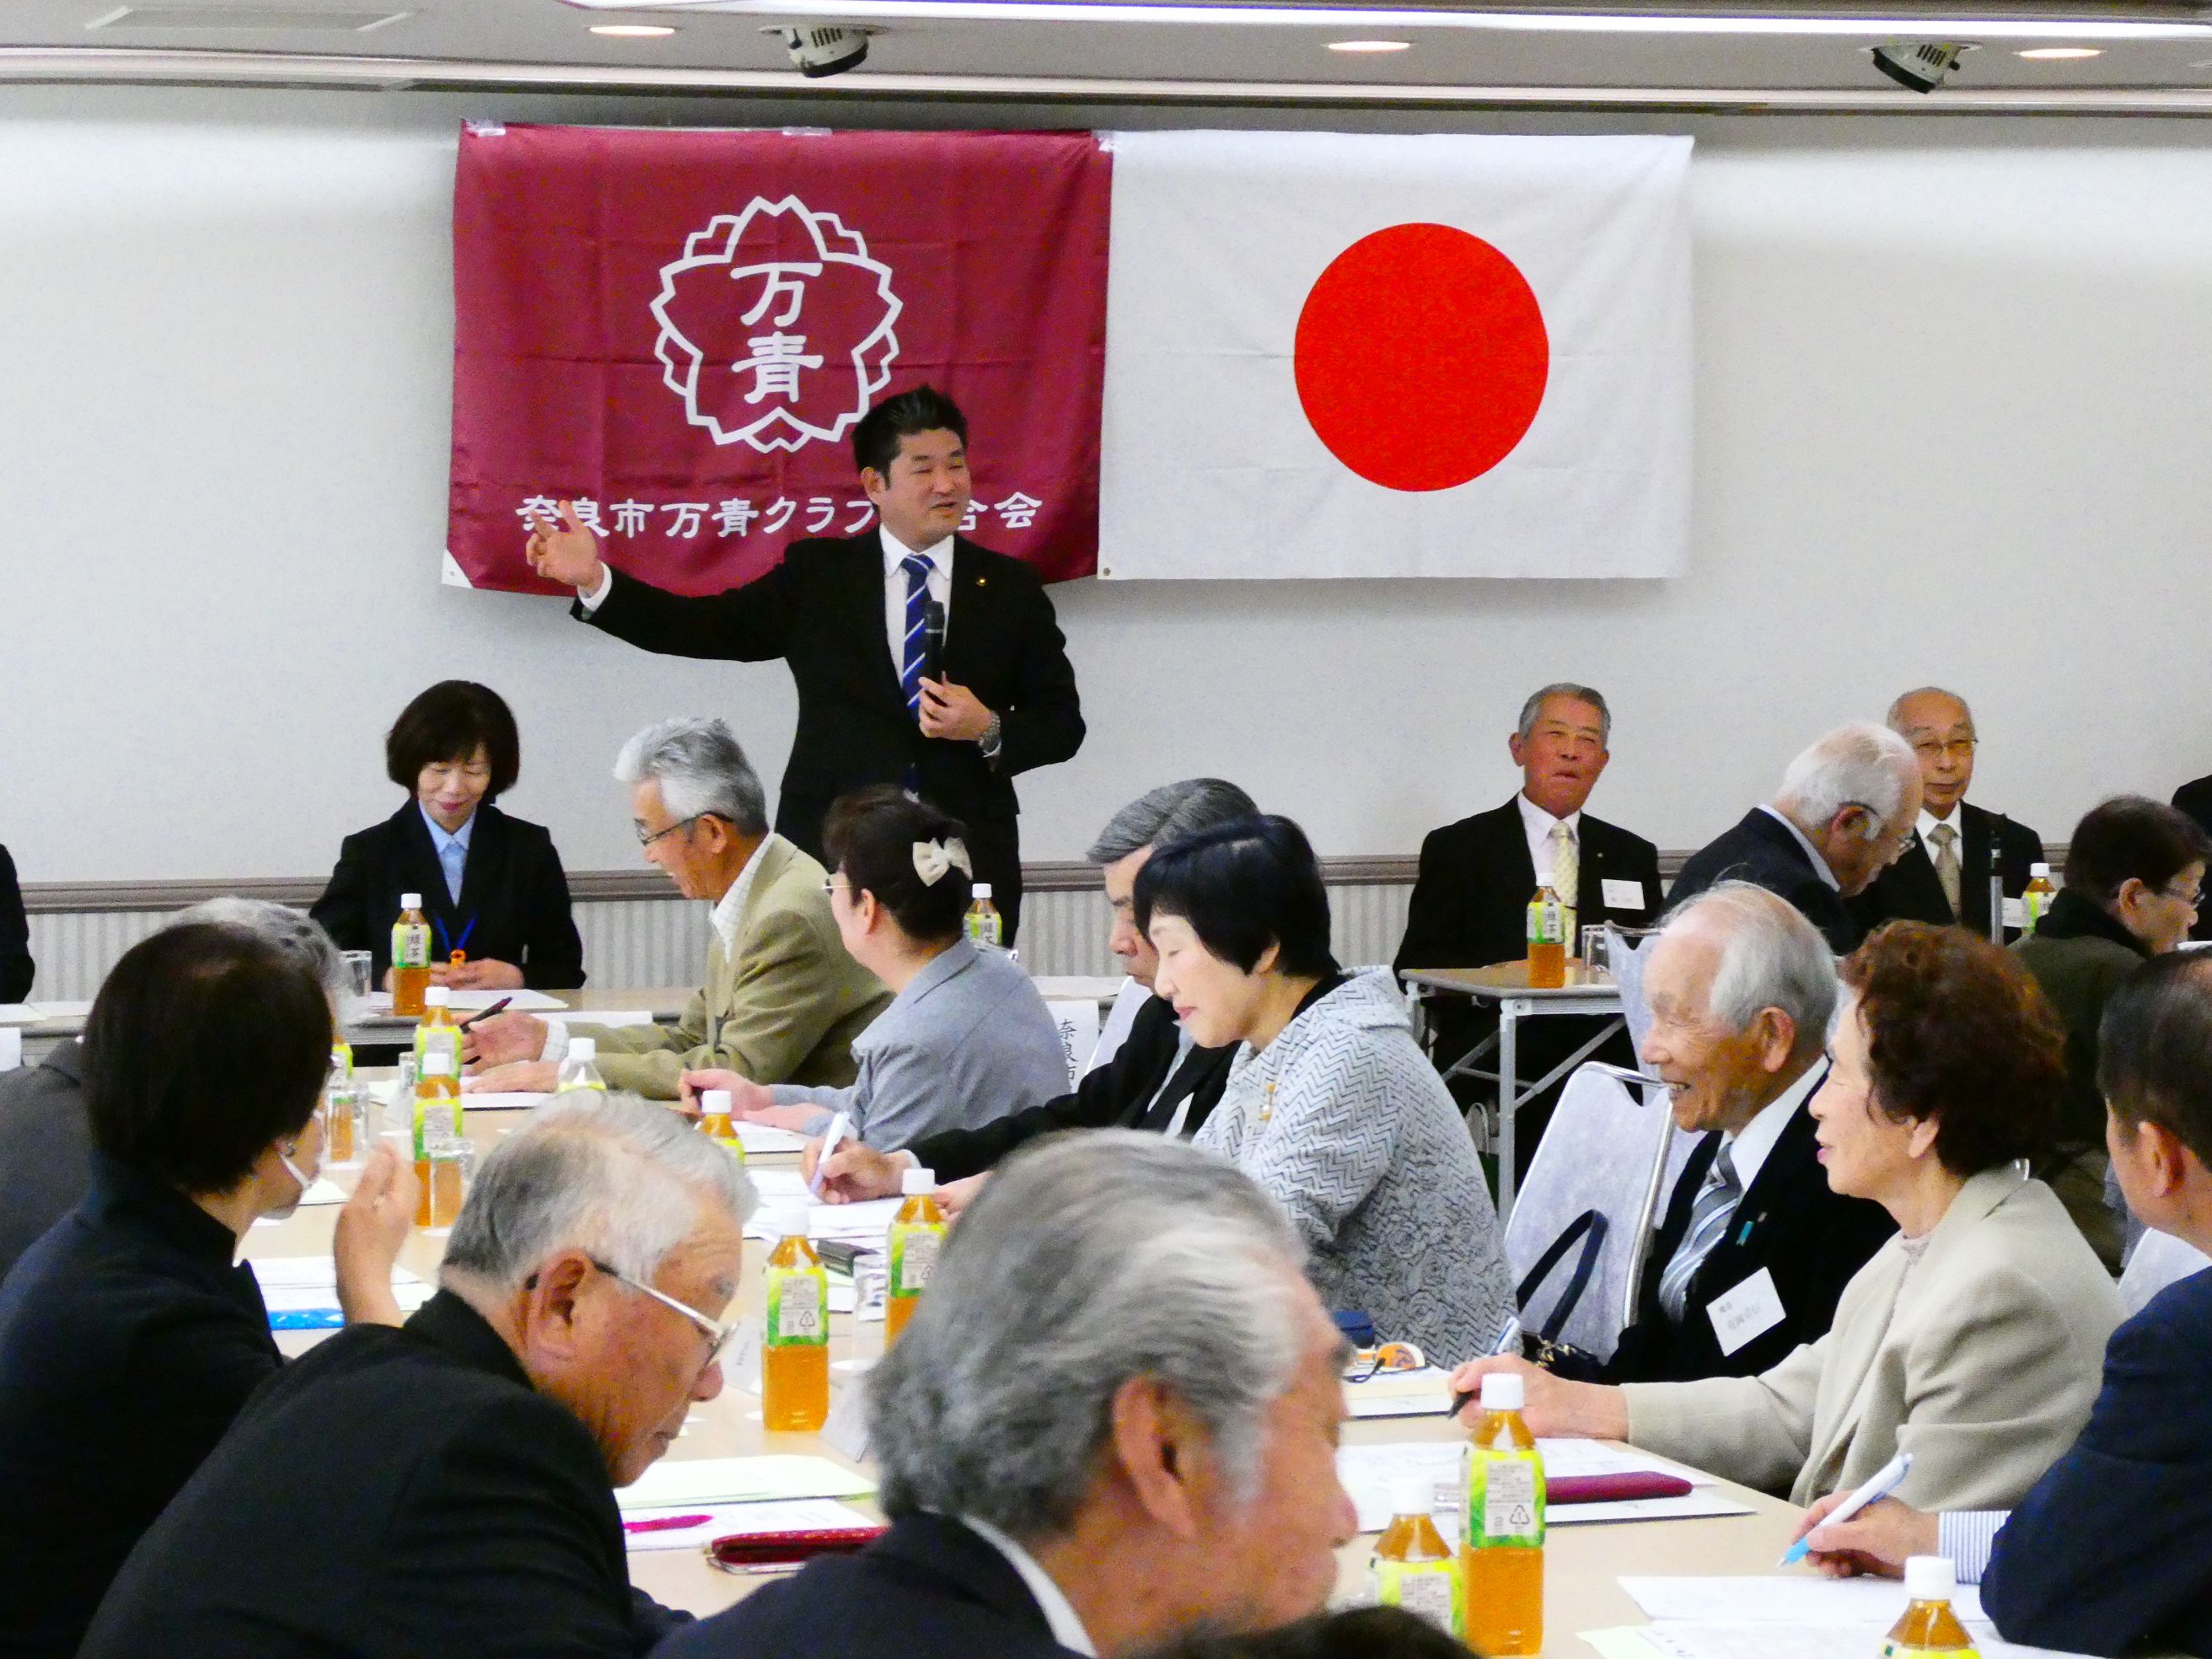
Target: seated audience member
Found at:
447, 1487
1742, 989
1158, 1078
492, 886
1113, 1419
46, 1140
1971, 1339
1354, 1633
1330, 1105
967, 1039
128, 1340
782, 1002
16, 968
1942, 875
2134, 878
2107, 1553
1841, 816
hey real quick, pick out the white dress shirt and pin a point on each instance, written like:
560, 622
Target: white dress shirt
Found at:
1059, 1612
1538, 824
940, 585
1820, 865
1748, 1146
1926, 828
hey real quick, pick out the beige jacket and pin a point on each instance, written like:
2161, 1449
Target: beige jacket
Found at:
1981, 1360
786, 1010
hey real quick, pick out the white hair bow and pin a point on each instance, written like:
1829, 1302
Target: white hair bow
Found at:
932, 858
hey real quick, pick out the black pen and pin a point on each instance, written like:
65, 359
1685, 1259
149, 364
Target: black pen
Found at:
486, 1013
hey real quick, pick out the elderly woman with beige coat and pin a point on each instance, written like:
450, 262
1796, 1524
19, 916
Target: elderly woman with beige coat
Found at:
1974, 1340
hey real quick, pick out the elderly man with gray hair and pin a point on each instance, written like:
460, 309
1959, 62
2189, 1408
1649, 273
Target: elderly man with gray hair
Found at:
1755, 1249
783, 1000
1842, 815
446, 1487
1114, 1419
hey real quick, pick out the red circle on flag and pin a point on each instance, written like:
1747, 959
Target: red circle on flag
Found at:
1421, 357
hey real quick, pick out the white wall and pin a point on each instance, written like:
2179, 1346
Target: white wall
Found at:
1952, 378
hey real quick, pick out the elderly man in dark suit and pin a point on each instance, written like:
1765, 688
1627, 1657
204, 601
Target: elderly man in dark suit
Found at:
1755, 1249
850, 617
1842, 815
1050, 1494
1944, 874
446, 1487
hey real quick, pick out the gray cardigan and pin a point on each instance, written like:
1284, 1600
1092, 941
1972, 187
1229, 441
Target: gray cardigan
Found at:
1344, 1120
967, 1042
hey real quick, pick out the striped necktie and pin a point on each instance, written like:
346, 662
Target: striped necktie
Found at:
1709, 1220
917, 600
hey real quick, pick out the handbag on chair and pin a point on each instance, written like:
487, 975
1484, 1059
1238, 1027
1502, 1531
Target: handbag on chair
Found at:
1543, 1346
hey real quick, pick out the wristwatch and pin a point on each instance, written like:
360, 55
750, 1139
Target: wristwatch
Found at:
988, 743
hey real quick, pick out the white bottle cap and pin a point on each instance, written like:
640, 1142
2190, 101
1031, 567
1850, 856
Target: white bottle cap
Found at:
437, 1063
914, 1182
411, 900
981, 890
715, 1103
1413, 1494
1543, 879
583, 1048
437, 997
2034, 870
784, 1224
1930, 1578
1503, 1391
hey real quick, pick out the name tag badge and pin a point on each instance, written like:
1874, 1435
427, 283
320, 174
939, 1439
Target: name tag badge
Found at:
1751, 1309
2015, 912
1623, 895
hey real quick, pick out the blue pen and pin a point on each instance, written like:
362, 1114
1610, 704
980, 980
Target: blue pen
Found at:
1887, 1480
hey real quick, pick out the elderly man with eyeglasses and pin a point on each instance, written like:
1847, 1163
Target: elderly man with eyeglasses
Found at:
446, 1487
1942, 875
783, 1000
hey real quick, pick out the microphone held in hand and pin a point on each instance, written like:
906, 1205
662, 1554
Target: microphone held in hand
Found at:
932, 639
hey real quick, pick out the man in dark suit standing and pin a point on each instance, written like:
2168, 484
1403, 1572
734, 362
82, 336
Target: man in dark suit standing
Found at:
1755, 1249
1842, 815
1944, 874
851, 617
1052, 1494
1470, 903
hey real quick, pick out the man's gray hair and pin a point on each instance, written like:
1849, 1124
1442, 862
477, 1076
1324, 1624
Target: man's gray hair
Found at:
1087, 1260
1773, 958
1895, 718
1534, 707
700, 768
609, 1173
1169, 813
1857, 765
292, 932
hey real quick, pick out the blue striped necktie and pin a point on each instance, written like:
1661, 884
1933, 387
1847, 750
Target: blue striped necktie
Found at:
1709, 1220
917, 599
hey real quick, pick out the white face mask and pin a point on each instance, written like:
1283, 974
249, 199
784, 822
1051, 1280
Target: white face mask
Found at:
305, 1179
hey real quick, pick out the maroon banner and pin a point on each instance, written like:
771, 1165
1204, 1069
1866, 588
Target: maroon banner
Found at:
678, 331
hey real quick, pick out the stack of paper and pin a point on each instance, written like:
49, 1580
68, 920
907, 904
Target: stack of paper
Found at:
1782, 1616
758, 1138
698, 1481
1368, 1472
1426, 1392
377, 1004
301, 1284
690, 1526
865, 1223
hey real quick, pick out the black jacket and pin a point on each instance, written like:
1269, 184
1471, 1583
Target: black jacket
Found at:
513, 891
1809, 1238
1125, 1093
1761, 850
46, 1148
16, 968
396, 1494
2195, 798
128, 1344
928, 1589
822, 610
1909, 891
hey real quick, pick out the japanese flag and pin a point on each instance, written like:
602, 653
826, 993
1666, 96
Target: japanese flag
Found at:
1338, 354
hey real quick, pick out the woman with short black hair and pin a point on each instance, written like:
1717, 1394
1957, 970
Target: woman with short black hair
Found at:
1330, 1105
491, 885
128, 1335
966, 1041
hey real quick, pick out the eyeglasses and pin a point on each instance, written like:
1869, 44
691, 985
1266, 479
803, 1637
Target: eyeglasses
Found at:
646, 837
1935, 748
718, 1334
832, 884
2192, 899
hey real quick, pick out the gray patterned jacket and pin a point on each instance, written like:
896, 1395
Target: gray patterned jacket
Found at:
1343, 1119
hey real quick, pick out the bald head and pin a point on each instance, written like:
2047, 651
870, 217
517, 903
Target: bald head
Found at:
1941, 729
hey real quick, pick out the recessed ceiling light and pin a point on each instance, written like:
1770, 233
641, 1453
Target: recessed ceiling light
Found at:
2051, 54
1370, 46
633, 31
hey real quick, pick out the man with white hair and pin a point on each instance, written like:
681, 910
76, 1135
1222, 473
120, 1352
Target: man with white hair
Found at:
1841, 817
1114, 1418
1755, 1249
446, 1487
1942, 875
783, 1000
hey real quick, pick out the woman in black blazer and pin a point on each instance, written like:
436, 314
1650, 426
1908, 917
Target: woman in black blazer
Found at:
455, 750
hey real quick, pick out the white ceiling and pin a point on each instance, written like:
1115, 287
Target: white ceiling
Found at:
719, 43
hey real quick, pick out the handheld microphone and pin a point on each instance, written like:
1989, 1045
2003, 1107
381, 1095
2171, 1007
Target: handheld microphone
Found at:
932, 639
